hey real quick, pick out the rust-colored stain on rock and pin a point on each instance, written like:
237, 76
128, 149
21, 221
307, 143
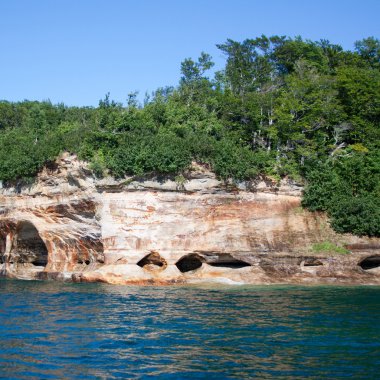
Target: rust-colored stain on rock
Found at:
88, 230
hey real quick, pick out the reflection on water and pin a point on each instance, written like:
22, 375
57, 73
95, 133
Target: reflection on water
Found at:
54, 330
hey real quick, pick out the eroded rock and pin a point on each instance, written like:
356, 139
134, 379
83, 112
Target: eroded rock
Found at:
71, 226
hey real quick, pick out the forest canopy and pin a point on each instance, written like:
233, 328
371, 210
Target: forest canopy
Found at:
280, 107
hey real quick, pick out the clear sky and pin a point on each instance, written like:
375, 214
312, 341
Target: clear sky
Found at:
75, 51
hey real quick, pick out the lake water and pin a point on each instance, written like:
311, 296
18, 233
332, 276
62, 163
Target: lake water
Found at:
54, 330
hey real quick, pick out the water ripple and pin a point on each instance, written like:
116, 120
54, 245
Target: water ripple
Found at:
83, 331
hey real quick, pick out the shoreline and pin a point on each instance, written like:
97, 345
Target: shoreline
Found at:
91, 230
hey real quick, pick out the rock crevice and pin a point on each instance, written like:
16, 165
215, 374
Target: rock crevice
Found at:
71, 226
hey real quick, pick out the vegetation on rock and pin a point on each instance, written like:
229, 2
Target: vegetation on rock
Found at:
280, 107
328, 247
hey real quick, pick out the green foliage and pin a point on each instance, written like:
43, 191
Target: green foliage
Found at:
230, 161
98, 165
358, 215
349, 190
328, 247
323, 183
280, 107
369, 49
23, 154
158, 154
241, 163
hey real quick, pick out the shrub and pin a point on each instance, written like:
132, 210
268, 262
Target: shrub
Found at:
329, 247
358, 215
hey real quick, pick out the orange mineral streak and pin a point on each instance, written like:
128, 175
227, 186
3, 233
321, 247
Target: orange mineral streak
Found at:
137, 231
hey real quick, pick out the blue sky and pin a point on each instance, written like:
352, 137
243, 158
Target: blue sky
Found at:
75, 51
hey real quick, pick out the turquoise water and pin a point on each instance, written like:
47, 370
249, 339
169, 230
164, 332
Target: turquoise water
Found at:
52, 330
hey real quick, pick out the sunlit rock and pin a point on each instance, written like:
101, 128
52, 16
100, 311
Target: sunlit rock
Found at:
71, 226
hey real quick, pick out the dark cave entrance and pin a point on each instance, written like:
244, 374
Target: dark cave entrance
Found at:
230, 263
28, 247
312, 262
2, 248
152, 261
189, 263
370, 262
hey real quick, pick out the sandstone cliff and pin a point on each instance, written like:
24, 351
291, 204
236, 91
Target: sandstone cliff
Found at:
71, 226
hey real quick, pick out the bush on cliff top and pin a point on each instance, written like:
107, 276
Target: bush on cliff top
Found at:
349, 190
280, 107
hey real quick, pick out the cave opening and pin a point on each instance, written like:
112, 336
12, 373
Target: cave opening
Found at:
28, 247
228, 261
152, 261
89, 250
231, 264
311, 262
87, 262
2, 248
189, 263
370, 262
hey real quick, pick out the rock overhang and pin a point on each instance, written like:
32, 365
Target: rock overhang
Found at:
93, 233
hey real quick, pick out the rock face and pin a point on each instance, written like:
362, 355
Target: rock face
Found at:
71, 226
